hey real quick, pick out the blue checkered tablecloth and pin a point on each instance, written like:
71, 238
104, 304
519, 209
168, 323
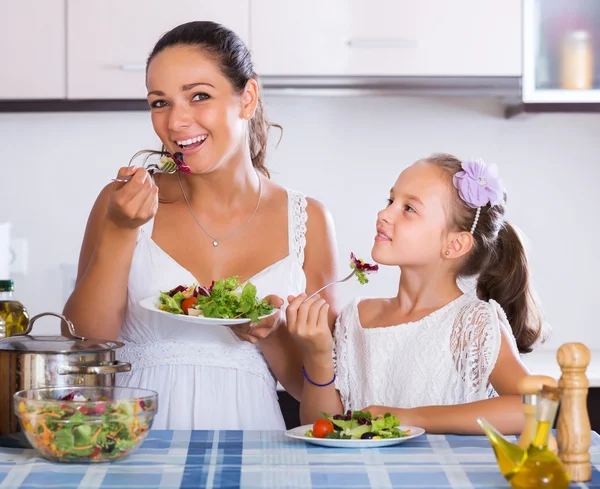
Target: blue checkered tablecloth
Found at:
269, 460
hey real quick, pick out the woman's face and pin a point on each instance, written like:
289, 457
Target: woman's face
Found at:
195, 109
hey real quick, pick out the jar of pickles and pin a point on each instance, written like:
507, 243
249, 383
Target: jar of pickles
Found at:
12, 311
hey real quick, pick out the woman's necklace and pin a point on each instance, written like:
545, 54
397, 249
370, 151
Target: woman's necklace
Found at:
216, 240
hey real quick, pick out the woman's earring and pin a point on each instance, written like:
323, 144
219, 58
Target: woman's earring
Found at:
447, 253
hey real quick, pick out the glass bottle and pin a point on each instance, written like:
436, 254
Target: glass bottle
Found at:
11, 310
576, 61
541, 468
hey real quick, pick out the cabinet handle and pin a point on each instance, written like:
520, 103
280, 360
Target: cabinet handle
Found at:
132, 67
382, 43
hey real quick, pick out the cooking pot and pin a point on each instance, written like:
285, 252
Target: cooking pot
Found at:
28, 362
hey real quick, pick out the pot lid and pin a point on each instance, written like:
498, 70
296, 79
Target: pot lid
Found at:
55, 344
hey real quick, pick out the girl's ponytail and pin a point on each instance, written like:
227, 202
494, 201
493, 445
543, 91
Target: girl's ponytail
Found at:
506, 280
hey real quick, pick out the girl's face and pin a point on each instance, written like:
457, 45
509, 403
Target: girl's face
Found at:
411, 229
194, 108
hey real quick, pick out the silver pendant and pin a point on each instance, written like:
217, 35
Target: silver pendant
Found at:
215, 243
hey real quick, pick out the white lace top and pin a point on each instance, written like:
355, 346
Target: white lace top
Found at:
445, 358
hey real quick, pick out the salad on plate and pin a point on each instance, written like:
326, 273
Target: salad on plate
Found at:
357, 425
224, 299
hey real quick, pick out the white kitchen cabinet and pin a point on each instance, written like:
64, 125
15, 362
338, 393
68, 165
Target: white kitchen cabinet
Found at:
32, 49
110, 40
561, 49
383, 37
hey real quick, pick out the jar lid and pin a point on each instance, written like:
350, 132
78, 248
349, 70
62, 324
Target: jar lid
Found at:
7, 286
579, 35
55, 344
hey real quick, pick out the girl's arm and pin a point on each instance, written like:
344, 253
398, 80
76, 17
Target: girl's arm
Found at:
308, 323
505, 412
279, 348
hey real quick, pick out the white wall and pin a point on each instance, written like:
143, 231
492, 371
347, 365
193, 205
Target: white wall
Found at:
347, 152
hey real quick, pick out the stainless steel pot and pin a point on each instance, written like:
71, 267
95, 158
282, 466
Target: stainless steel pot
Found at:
27, 362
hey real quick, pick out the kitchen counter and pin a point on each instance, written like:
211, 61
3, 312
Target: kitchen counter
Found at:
269, 460
543, 362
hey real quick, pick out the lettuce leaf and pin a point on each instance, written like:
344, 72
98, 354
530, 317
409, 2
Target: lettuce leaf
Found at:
171, 304
385, 423
226, 302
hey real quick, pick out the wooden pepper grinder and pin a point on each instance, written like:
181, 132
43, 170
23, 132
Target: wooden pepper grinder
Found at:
573, 428
529, 388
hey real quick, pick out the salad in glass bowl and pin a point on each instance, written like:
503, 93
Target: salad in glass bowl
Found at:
85, 424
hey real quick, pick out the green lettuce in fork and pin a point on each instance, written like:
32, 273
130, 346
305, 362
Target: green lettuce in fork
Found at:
362, 268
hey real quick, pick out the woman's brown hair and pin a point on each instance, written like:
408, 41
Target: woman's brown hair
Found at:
497, 258
234, 60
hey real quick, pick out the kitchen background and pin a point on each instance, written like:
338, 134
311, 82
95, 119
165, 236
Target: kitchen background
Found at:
343, 147
346, 152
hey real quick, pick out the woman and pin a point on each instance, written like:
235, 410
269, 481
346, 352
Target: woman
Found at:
224, 219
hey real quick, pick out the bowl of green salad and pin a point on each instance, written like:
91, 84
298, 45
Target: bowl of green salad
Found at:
85, 424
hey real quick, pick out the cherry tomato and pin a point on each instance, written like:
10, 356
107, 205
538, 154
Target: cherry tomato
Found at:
99, 408
322, 427
188, 304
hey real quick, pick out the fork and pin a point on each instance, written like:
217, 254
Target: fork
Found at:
152, 168
336, 282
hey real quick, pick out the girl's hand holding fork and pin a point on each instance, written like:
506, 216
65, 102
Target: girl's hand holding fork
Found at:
308, 324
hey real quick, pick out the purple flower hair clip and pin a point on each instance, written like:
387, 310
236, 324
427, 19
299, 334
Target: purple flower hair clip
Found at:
479, 185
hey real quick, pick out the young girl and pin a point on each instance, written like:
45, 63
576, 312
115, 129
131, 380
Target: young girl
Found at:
433, 356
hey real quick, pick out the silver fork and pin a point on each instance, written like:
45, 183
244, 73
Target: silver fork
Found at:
336, 282
152, 168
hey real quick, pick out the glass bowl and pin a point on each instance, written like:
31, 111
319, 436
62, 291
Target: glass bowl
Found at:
85, 424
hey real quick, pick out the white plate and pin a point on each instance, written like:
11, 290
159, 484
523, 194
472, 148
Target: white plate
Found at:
298, 434
151, 302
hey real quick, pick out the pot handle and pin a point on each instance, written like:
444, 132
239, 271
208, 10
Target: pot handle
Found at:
112, 368
60, 316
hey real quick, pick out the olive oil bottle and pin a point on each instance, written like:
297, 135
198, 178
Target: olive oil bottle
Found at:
542, 467
537, 467
12, 311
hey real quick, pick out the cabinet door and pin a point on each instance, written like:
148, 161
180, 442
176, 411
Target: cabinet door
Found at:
382, 37
32, 49
109, 40
561, 51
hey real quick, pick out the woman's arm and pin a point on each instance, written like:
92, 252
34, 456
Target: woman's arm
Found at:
320, 268
505, 412
97, 305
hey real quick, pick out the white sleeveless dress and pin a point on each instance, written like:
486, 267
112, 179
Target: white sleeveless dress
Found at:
206, 378
446, 358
